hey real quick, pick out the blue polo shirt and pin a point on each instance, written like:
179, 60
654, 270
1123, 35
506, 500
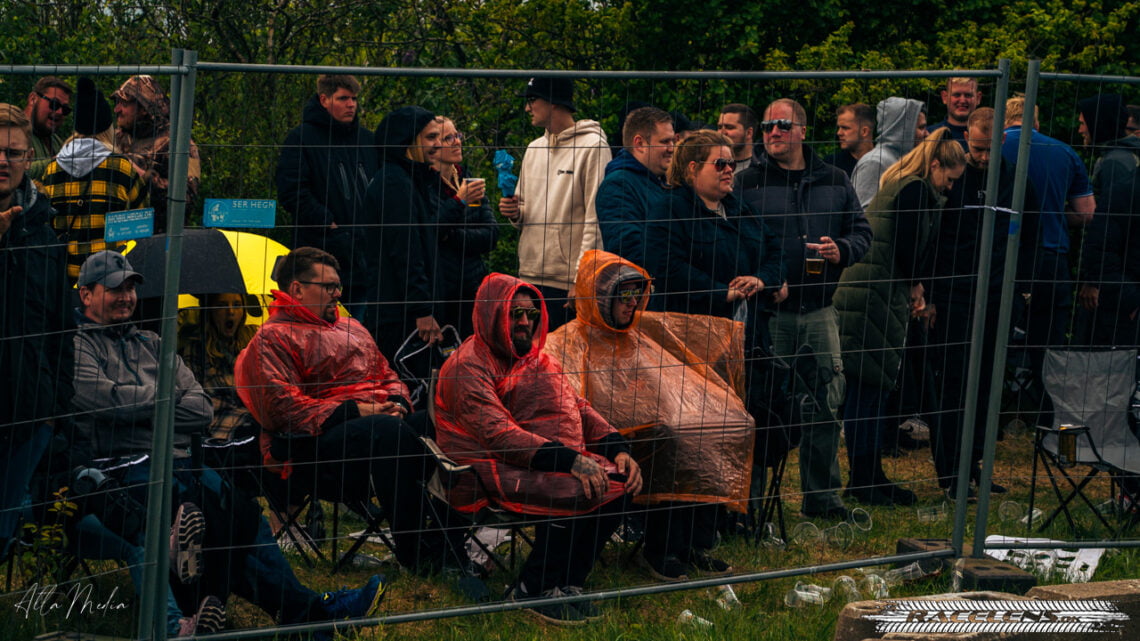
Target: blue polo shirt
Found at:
1058, 175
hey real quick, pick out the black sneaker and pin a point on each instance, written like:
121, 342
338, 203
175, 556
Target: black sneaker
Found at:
669, 569
997, 489
186, 537
588, 609
868, 496
952, 494
706, 564
210, 619
832, 513
564, 614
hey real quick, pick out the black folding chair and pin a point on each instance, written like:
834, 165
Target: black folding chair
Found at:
1090, 390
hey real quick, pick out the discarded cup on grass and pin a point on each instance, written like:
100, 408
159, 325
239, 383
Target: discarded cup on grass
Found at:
769, 538
806, 534
933, 514
726, 597
847, 589
688, 618
804, 594
860, 519
1012, 511
909, 572
876, 587
841, 535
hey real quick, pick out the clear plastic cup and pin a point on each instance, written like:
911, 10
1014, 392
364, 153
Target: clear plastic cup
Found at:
688, 618
934, 513
806, 534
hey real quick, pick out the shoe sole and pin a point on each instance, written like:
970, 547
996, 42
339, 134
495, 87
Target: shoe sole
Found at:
211, 617
186, 538
374, 605
562, 623
648, 567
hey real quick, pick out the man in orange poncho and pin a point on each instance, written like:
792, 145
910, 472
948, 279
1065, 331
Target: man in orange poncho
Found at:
538, 448
669, 382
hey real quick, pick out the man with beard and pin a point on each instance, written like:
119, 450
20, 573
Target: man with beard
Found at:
326, 164
48, 104
738, 123
142, 113
506, 408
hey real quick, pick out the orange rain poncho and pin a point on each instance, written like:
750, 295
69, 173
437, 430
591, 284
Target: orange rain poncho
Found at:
670, 382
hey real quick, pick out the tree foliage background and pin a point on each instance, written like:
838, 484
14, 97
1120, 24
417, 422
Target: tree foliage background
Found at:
241, 117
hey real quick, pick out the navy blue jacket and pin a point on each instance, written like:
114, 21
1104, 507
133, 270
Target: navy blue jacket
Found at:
628, 197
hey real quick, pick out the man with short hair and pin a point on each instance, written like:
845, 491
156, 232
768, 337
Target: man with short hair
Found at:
1065, 197
323, 173
961, 97
738, 123
554, 204
812, 206
902, 123
35, 351
855, 129
326, 398
1110, 266
538, 448
952, 292
142, 113
116, 378
48, 104
634, 187
1132, 128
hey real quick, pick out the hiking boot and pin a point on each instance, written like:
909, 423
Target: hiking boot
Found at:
186, 537
210, 619
668, 568
831, 513
588, 609
355, 603
564, 614
868, 495
709, 565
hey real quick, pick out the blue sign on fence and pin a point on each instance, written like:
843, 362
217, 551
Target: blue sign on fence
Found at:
240, 212
128, 225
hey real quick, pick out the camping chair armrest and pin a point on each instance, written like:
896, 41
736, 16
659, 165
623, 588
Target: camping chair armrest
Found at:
449, 469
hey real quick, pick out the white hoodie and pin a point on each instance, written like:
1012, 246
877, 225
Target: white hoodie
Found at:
558, 179
81, 156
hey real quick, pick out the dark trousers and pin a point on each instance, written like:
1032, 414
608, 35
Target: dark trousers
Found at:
566, 549
556, 308
677, 528
950, 356
386, 451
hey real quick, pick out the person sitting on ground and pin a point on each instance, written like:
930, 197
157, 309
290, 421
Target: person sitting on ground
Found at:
326, 398
224, 544
506, 408
690, 431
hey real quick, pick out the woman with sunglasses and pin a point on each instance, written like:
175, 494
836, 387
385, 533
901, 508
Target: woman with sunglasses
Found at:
877, 296
467, 232
87, 180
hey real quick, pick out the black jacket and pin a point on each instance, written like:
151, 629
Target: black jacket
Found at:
465, 234
821, 203
1110, 257
323, 172
401, 231
36, 351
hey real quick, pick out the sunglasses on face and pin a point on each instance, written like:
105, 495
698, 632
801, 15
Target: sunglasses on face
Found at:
783, 123
55, 104
630, 295
720, 163
531, 313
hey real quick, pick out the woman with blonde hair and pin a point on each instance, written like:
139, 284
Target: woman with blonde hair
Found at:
466, 232
87, 180
877, 296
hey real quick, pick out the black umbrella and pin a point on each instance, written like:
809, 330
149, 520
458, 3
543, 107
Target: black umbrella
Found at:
208, 264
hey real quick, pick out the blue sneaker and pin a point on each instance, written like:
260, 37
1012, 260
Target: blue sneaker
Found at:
355, 604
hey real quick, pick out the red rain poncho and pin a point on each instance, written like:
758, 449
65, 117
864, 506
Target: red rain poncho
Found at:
495, 408
670, 382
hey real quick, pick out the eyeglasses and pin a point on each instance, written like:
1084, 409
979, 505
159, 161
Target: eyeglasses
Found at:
330, 287
531, 313
530, 99
15, 155
452, 139
55, 104
783, 123
630, 295
720, 163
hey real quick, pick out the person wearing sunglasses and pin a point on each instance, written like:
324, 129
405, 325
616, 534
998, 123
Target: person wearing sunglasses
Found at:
878, 295
647, 373
88, 180
508, 409
812, 208
48, 106
467, 232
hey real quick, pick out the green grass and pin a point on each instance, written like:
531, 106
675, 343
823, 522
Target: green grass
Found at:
763, 614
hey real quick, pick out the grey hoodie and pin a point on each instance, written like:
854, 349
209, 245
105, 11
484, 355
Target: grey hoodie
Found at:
81, 156
897, 119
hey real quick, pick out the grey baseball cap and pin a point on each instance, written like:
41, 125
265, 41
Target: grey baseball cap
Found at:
108, 268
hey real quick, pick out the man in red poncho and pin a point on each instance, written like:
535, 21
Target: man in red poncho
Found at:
538, 448
325, 396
